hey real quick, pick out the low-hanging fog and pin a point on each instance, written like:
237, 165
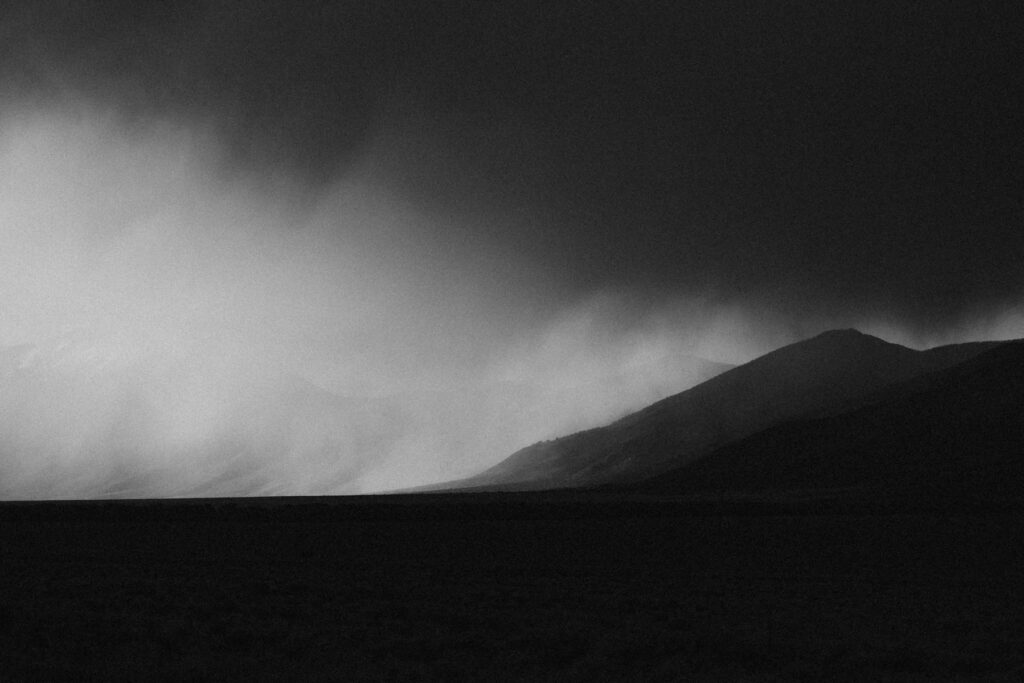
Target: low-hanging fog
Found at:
172, 329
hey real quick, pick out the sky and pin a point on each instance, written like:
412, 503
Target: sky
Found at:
385, 198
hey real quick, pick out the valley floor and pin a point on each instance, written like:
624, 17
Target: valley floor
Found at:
504, 587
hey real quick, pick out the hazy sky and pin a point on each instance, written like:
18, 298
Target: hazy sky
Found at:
865, 158
417, 196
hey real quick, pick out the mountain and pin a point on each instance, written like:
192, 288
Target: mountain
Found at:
953, 433
455, 426
831, 373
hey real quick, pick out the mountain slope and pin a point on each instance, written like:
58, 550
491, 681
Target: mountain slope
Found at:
830, 373
954, 432
500, 417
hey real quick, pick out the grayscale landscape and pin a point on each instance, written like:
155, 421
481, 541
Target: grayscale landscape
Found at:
560, 341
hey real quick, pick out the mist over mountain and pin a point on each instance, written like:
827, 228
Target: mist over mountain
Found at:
79, 419
470, 219
830, 373
85, 416
131, 268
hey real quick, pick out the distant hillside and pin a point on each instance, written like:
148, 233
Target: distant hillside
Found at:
833, 372
954, 432
88, 415
86, 420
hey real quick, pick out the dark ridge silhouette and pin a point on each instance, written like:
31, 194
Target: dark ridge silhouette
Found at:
954, 433
831, 373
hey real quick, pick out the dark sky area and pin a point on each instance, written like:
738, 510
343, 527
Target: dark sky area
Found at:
813, 157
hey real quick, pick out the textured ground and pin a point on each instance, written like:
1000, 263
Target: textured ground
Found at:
562, 591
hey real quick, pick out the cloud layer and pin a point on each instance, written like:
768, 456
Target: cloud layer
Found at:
172, 330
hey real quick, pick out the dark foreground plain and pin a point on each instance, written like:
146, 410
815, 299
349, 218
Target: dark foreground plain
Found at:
511, 586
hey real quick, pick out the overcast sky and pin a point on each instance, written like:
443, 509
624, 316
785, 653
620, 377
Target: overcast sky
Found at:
816, 158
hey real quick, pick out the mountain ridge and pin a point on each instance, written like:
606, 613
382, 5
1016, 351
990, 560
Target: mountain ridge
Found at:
826, 374
958, 431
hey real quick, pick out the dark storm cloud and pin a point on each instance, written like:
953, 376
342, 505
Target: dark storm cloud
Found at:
283, 84
816, 158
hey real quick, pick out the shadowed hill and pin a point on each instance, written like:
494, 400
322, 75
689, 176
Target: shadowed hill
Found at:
955, 432
831, 373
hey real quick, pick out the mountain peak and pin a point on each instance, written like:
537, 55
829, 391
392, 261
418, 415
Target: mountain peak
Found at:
845, 332
848, 335
845, 338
